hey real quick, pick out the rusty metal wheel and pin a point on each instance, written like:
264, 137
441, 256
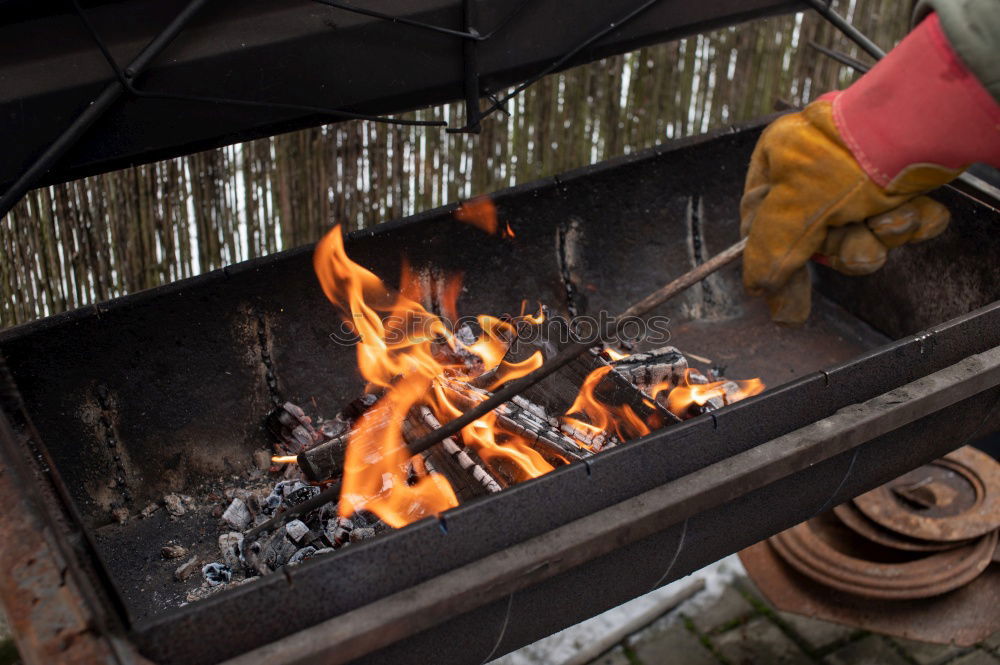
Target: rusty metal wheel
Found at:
825, 550
951, 499
858, 522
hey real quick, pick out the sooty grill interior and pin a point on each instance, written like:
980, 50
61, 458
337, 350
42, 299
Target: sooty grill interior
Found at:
167, 391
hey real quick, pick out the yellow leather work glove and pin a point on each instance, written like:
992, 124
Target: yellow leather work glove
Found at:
806, 194
844, 178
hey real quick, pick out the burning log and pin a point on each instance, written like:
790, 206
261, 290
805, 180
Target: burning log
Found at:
444, 460
294, 432
520, 418
524, 419
648, 370
325, 460
463, 456
696, 394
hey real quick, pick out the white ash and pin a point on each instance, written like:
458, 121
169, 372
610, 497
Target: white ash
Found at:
237, 515
216, 573
297, 531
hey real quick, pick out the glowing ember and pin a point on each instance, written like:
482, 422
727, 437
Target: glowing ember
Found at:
284, 459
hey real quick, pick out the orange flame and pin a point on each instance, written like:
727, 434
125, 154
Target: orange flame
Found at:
680, 398
602, 419
395, 351
482, 213
613, 354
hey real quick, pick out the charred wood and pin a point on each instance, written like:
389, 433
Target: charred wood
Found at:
523, 419
650, 369
462, 455
325, 460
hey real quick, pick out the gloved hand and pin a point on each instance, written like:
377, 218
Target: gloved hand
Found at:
844, 178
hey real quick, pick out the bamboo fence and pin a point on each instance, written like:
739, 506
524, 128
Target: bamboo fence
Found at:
93, 239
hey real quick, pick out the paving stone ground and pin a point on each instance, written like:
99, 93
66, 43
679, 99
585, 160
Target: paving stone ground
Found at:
741, 628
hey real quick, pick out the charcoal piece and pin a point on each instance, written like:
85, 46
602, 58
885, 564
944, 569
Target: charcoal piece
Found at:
292, 428
186, 569
364, 518
252, 554
335, 427
252, 502
120, 514
364, 533
301, 495
284, 487
271, 504
278, 550
305, 553
279, 495
338, 530
149, 510
303, 439
648, 370
173, 551
297, 531
216, 573
237, 515
174, 503
231, 546
260, 519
